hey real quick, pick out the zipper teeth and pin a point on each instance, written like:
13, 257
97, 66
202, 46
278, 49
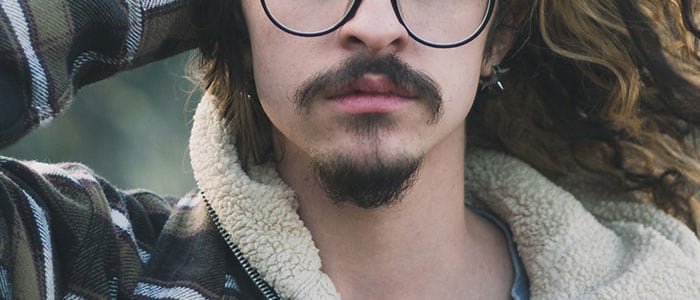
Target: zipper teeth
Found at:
264, 288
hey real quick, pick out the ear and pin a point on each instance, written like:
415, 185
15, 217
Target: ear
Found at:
504, 36
503, 40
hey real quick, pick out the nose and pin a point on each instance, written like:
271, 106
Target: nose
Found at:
374, 27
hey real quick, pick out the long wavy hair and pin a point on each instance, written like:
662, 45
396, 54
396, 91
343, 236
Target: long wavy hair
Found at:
608, 90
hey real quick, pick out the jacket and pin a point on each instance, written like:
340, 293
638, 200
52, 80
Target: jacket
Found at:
66, 232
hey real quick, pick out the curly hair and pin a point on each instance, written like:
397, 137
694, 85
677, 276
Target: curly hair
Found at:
607, 89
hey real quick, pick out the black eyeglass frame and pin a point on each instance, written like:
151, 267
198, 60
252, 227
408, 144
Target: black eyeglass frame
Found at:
394, 3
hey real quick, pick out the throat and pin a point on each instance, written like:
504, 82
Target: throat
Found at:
406, 252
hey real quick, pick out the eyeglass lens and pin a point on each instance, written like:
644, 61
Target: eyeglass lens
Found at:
435, 21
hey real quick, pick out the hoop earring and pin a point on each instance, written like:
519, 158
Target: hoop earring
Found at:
494, 79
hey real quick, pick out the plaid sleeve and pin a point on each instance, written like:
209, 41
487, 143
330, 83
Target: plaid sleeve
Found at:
66, 233
49, 49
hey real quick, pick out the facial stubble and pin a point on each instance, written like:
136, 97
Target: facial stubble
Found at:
377, 179
373, 184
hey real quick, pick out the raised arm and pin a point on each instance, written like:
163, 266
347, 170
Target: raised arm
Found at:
49, 49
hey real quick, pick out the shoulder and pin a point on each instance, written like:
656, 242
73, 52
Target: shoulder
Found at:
652, 254
578, 241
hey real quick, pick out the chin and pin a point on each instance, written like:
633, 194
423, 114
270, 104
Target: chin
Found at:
367, 180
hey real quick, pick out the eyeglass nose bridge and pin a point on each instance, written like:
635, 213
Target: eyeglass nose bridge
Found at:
397, 12
356, 6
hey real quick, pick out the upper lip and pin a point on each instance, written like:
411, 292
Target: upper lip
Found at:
369, 84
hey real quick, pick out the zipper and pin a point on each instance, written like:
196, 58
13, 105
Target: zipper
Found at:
260, 283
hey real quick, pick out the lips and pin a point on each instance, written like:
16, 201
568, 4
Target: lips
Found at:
369, 94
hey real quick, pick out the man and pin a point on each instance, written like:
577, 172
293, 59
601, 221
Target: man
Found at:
377, 167
355, 190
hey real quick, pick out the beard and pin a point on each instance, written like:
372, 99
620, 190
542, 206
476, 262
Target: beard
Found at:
373, 184
374, 181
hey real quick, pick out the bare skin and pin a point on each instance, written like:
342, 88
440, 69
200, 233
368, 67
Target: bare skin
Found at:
426, 247
429, 245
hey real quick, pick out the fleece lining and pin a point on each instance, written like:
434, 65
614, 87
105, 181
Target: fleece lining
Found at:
584, 242
258, 210
575, 242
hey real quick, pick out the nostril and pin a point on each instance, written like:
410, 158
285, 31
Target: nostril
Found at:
355, 40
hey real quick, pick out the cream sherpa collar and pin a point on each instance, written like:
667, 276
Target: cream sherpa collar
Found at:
590, 247
258, 211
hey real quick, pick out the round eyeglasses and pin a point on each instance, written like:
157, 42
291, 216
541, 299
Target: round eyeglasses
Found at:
437, 23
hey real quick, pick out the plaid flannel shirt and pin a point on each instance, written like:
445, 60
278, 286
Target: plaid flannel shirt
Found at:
65, 232
49, 49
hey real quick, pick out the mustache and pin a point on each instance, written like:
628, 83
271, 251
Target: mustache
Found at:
400, 74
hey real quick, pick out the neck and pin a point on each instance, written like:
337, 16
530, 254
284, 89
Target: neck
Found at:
426, 245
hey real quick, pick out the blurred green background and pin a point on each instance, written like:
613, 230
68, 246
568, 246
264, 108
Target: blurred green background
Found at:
131, 129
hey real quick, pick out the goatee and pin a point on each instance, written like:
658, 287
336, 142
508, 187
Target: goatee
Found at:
368, 184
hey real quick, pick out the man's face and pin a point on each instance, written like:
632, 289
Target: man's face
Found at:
366, 94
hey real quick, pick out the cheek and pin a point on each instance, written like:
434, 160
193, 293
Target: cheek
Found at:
271, 68
457, 72
280, 67
275, 58
277, 75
